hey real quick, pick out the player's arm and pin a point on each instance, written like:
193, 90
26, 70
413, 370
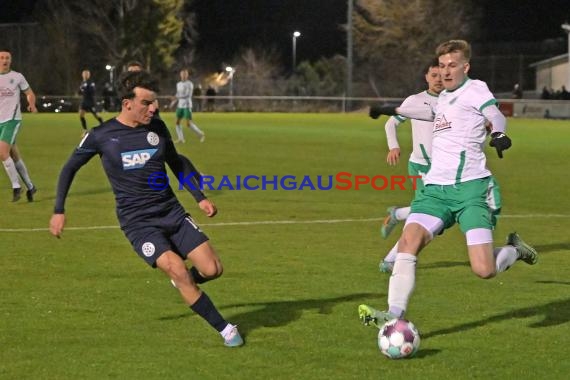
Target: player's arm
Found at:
392, 137
78, 158
411, 112
499, 140
31, 98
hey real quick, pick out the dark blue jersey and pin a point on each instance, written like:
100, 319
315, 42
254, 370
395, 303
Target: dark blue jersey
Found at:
133, 158
87, 89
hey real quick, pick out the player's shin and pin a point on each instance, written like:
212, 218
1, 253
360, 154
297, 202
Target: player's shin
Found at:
402, 283
505, 257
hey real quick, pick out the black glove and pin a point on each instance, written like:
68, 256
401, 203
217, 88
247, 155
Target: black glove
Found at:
377, 110
501, 142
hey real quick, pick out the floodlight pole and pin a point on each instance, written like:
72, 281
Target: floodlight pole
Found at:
566, 28
296, 34
231, 71
349, 53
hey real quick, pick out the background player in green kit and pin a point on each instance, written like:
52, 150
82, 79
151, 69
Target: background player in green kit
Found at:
420, 159
183, 99
12, 84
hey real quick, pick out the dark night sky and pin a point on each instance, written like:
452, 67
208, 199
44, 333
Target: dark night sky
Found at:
225, 26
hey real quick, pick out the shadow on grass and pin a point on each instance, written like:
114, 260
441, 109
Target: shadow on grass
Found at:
546, 248
281, 313
554, 313
425, 353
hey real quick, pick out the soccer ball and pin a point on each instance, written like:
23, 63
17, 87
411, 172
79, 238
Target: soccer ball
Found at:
398, 339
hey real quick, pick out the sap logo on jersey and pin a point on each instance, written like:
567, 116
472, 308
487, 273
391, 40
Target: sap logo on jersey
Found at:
136, 159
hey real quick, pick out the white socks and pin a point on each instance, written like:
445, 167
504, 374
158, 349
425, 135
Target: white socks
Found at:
196, 130
23, 171
391, 256
179, 132
12, 172
402, 283
402, 213
227, 330
505, 257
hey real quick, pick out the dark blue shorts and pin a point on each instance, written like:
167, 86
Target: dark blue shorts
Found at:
154, 237
87, 106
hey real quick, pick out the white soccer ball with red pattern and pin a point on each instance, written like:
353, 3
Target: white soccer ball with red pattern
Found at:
398, 339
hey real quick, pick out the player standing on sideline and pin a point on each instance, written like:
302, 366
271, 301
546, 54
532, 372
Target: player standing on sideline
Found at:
420, 159
87, 90
133, 148
183, 97
12, 83
457, 184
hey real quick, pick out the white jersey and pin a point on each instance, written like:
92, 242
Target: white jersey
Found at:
11, 84
422, 131
184, 91
459, 134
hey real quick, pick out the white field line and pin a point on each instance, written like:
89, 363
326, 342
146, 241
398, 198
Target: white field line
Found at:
275, 222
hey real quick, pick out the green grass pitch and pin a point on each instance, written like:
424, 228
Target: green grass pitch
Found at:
297, 264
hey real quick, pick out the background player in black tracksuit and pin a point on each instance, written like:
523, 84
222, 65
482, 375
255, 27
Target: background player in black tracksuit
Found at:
87, 90
134, 148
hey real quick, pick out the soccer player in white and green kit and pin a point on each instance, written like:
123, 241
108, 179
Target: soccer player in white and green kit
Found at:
419, 162
12, 83
457, 184
184, 90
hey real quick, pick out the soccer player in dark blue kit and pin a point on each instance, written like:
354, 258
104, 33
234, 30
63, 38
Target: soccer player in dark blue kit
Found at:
87, 90
133, 148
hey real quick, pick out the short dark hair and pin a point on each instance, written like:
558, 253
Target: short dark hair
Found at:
129, 80
135, 63
434, 62
5, 49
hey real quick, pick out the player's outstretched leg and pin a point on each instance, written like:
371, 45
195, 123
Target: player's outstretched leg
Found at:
370, 315
526, 253
390, 222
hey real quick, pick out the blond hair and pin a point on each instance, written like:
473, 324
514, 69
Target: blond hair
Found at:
452, 46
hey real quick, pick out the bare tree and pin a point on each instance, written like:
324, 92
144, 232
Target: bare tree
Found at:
394, 39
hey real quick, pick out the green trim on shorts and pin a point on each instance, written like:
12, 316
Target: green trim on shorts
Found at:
415, 169
184, 113
466, 203
9, 130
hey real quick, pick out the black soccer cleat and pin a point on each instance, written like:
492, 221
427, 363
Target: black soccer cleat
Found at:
30, 194
16, 194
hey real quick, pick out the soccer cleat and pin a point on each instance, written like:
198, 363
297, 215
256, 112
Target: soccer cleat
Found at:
370, 315
386, 266
389, 222
179, 141
30, 194
203, 138
16, 194
233, 339
526, 253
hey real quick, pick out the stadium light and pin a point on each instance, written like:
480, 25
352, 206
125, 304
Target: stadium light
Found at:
231, 71
566, 28
111, 70
296, 34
